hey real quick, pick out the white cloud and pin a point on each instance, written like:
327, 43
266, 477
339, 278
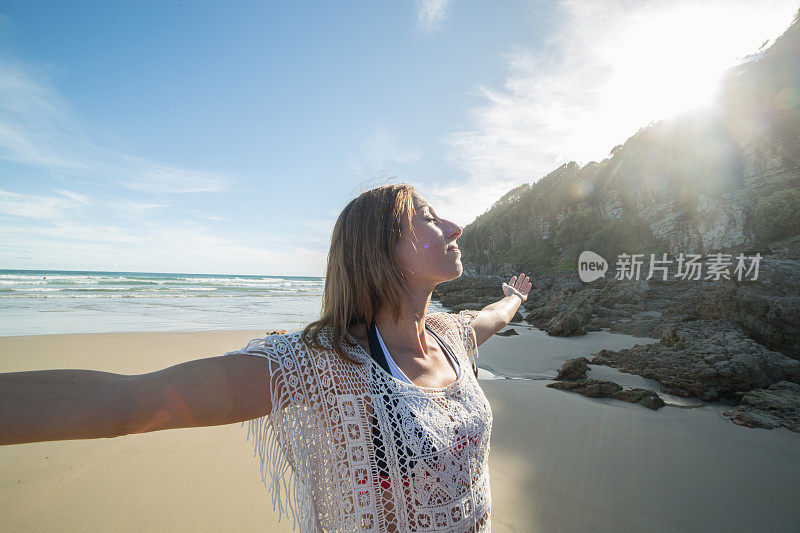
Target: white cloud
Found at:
34, 206
160, 251
145, 245
609, 68
62, 231
69, 205
37, 128
74, 196
431, 13
382, 152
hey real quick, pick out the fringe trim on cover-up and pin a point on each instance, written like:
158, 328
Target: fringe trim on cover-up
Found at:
465, 318
285, 489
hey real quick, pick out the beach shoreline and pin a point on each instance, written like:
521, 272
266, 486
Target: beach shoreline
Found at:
559, 461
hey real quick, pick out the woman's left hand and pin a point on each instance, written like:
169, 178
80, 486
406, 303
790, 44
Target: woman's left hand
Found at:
519, 286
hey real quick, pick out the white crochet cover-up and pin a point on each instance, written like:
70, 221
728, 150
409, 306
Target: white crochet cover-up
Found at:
318, 452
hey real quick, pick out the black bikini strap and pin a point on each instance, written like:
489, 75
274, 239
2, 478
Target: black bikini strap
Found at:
449, 350
375, 349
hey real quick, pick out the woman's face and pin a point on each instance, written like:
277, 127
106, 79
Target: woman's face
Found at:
429, 253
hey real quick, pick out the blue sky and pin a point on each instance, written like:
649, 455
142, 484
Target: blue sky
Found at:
216, 137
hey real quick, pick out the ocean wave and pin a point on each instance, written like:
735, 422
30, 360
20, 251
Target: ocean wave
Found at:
62, 286
159, 296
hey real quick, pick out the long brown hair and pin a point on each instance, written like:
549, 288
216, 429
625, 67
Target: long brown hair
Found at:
363, 272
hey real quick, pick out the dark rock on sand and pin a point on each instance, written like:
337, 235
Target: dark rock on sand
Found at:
573, 370
507, 333
599, 388
706, 360
574, 317
777, 405
669, 337
565, 313
646, 397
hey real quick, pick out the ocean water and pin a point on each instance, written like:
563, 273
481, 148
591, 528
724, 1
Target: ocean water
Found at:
37, 302
34, 302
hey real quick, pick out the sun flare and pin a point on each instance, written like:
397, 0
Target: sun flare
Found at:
672, 60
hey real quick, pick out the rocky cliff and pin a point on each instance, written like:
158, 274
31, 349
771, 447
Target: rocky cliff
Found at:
723, 179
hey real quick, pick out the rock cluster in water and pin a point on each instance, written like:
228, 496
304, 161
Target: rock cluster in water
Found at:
572, 377
775, 406
707, 359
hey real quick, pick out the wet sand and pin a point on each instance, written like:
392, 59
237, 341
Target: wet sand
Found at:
559, 461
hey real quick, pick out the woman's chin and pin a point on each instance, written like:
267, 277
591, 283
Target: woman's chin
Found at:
458, 270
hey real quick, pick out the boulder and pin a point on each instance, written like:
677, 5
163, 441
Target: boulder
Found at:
646, 397
573, 319
669, 337
600, 388
709, 360
777, 405
573, 370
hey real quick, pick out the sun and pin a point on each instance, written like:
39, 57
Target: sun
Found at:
672, 60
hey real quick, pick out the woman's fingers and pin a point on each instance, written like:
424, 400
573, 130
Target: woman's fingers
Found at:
523, 284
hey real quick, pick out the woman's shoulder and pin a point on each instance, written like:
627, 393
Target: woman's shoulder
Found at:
295, 354
323, 344
459, 320
292, 338
272, 345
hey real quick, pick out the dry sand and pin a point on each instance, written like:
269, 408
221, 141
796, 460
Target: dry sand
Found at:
559, 461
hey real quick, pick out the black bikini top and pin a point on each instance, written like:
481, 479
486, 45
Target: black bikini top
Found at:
377, 353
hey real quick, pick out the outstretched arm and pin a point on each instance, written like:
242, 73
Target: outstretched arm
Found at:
496, 316
84, 404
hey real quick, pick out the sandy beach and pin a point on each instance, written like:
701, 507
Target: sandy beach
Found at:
559, 461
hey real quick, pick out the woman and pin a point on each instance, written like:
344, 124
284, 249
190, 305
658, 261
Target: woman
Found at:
370, 419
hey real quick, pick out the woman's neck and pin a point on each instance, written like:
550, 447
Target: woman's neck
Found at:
408, 334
